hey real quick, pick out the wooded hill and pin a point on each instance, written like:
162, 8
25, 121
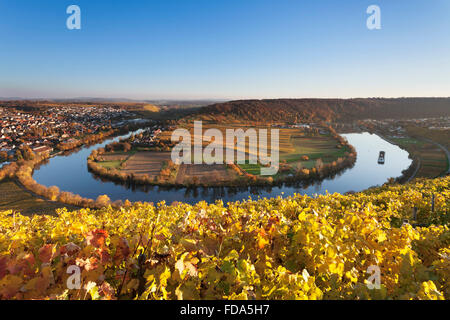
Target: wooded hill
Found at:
301, 110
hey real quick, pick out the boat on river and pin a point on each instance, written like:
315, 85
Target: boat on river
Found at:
382, 157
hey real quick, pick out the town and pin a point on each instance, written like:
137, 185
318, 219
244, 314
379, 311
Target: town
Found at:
396, 129
44, 130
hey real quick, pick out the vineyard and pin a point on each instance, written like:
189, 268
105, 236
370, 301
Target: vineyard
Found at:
294, 248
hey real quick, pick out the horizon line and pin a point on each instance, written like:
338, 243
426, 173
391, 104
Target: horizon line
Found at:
122, 99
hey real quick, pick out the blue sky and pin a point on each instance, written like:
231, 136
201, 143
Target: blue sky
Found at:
226, 49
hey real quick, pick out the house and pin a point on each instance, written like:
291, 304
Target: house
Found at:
301, 125
42, 149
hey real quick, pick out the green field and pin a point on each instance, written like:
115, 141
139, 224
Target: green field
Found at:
294, 145
321, 147
114, 160
111, 164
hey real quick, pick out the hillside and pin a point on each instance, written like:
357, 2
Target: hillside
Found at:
294, 248
298, 110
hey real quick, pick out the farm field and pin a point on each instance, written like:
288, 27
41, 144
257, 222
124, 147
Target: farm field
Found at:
114, 164
114, 160
115, 157
293, 144
152, 163
433, 160
296, 148
439, 136
15, 198
149, 163
323, 147
205, 173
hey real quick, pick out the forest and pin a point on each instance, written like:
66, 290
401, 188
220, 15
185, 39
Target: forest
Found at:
316, 110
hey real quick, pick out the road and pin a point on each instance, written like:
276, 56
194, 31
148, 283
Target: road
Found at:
414, 174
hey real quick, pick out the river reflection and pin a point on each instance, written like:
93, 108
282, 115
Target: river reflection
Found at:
70, 173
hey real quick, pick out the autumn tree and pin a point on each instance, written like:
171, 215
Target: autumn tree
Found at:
126, 147
103, 201
3, 156
19, 155
53, 193
319, 165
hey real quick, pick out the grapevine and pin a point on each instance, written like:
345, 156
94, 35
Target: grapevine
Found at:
282, 248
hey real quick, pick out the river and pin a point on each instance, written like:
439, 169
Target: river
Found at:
70, 173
